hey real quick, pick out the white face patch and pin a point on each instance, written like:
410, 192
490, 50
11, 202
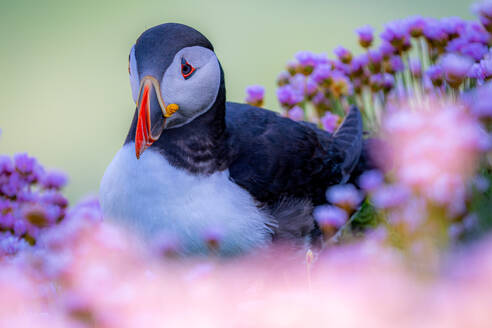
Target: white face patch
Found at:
134, 79
194, 95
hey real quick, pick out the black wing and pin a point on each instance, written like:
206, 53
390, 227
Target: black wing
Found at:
275, 157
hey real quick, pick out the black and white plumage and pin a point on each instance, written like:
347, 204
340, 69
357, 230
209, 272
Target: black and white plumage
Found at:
211, 164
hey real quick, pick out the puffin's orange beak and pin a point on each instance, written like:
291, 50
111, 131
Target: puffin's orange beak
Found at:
152, 114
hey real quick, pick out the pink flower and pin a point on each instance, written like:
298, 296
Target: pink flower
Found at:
345, 196
255, 95
329, 121
296, 113
426, 143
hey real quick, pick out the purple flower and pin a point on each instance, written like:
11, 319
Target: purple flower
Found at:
476, 33
375, 56
306, 58
396, 33
388, 82
330, 217
54, 198
212, 237
341, 85
296, 113
283, 78
453, 26
254, 95
310, 87
485, 69
370, 181
304, 85
390, 196
376, 82
476, 72
396, 64
54, 180
415, 67
480, 101
387, 50
24, 164
366, 35
416, 25
436, 75
6, 165
329, 121
20, 227
455, 68
358, 63
288, 96
87, 209
166, 245
321, 73
320, 100
474, 50
13, 185
343, 54
483, 9
435, 33
345, 196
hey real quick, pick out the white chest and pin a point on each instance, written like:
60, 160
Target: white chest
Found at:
152, 197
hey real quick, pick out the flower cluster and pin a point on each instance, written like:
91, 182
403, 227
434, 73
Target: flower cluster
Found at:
416, 56
30, 201
99, 277
425, 98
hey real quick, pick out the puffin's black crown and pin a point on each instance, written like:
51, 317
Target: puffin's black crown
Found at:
157, 46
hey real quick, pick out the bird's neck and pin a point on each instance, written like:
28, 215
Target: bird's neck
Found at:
200, 146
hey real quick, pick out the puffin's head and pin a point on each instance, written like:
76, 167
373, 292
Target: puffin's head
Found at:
175, 77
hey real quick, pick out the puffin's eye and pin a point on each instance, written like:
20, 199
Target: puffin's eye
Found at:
186, 69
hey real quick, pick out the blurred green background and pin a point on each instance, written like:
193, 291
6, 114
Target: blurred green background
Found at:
64, 91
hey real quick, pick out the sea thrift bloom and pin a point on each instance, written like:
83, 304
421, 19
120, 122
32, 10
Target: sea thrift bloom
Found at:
212, 237
416, 67
29, 198
296, 113
390, 196
366, 36
455, 69
480, 101
429, 143
474, 50
476, 72
288, 96
484, 12
388, 82
329, 218
344, 196
283, 78
396, 64
387, 50
371, 180
435, 34
453, 26
396, 34
255, 95
306, 58
330, 121
436, 75
341, 85
322, 73
416, 25
54, 180
343, 54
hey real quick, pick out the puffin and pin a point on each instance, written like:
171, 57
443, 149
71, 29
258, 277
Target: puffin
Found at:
194, 166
